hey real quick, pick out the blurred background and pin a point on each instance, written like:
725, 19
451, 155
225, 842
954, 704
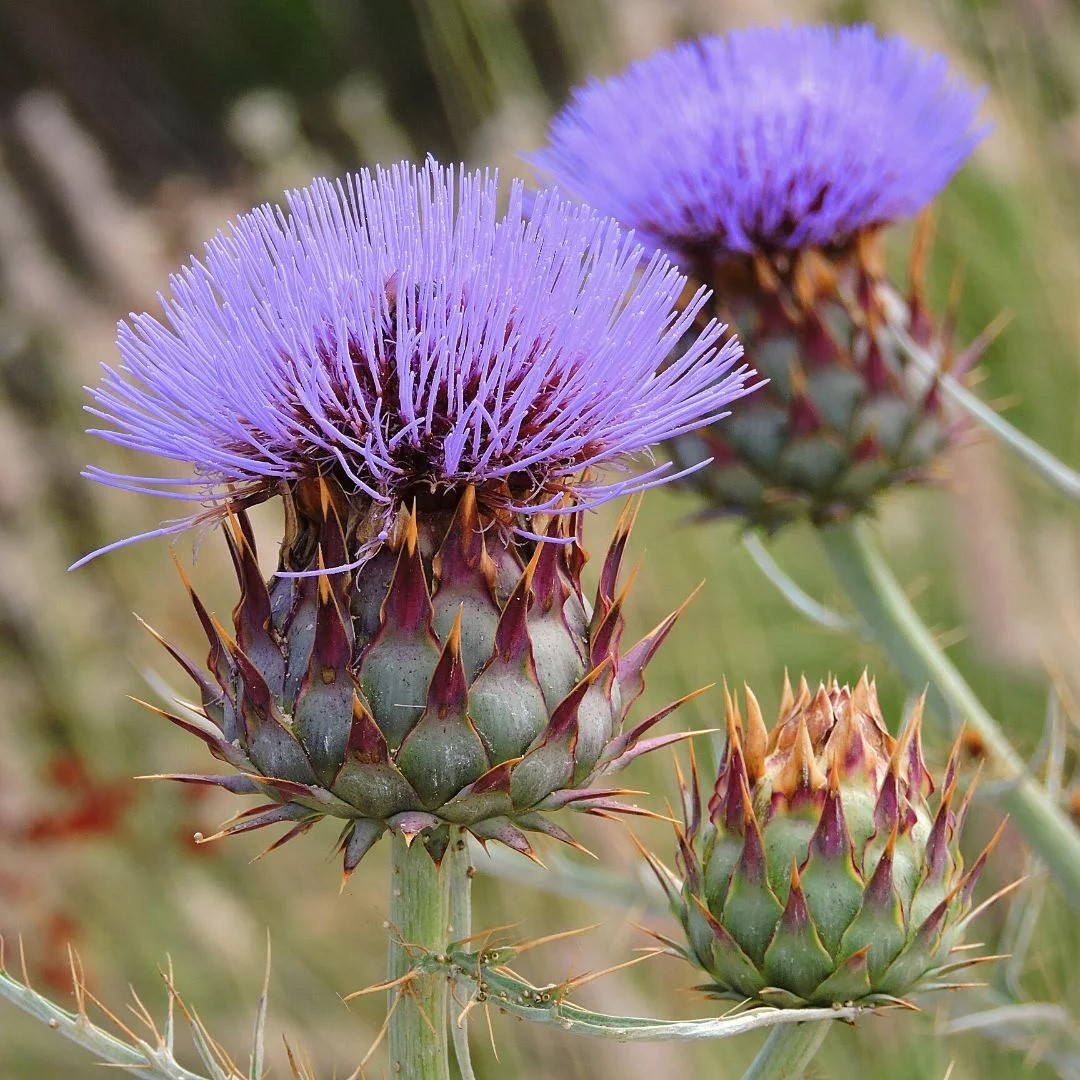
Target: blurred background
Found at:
130, 130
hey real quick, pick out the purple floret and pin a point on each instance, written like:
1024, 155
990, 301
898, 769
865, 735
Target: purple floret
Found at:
395, 331
765, 139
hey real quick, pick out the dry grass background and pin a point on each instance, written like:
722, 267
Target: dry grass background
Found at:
129, 131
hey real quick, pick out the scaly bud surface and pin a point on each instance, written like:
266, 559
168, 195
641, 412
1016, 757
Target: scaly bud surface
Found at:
822, 873
846, 414
459, 677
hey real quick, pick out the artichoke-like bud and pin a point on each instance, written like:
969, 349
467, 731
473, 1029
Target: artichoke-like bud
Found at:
457, 678
768, 161
822, 872
846, 414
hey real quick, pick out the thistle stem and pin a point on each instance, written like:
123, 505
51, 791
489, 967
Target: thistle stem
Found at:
801, 601
458, 865
888, 614
787, 1051
146, 1060
419, 917
1033, 454
484, 977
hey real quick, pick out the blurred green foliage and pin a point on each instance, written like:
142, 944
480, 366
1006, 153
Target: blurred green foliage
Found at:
128, 132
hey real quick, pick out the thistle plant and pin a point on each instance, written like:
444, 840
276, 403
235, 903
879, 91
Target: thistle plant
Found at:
430, 387
425, 384
822, 873
770, 163
767, 162
437, 391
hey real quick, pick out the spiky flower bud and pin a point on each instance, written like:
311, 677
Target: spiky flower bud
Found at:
453, 679
847, 413
822, 872
767, 162
430, 388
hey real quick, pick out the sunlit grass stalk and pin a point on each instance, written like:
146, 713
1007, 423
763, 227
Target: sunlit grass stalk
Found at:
889, 615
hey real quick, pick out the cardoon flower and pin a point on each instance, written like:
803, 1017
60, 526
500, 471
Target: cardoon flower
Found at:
767, 162
430, 386
823, 873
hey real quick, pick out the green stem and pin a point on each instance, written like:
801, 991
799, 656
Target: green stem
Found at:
787, 1051
483, 978
1034, 455
458, 865
889, 615
419, 918
149, 1061
801, 601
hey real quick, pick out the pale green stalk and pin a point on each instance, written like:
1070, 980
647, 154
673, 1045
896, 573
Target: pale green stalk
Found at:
150, 1061
888, 614
458, 864
1056, 473
483, 979
420, 921
418, 1049
800, 600
788, 1051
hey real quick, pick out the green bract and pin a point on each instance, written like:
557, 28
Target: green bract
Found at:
822, 874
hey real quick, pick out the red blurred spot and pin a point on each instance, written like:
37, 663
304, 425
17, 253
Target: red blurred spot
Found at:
67, 771
97, 810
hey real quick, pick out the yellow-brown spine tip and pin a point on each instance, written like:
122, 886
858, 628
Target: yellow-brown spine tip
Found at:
787, 699
756, 740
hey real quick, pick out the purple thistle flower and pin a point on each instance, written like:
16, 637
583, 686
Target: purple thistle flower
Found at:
765, 139
394, 331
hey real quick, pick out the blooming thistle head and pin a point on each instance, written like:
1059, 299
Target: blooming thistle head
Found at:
767, 162
822, 872
765, 140
396, 334
430, 386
